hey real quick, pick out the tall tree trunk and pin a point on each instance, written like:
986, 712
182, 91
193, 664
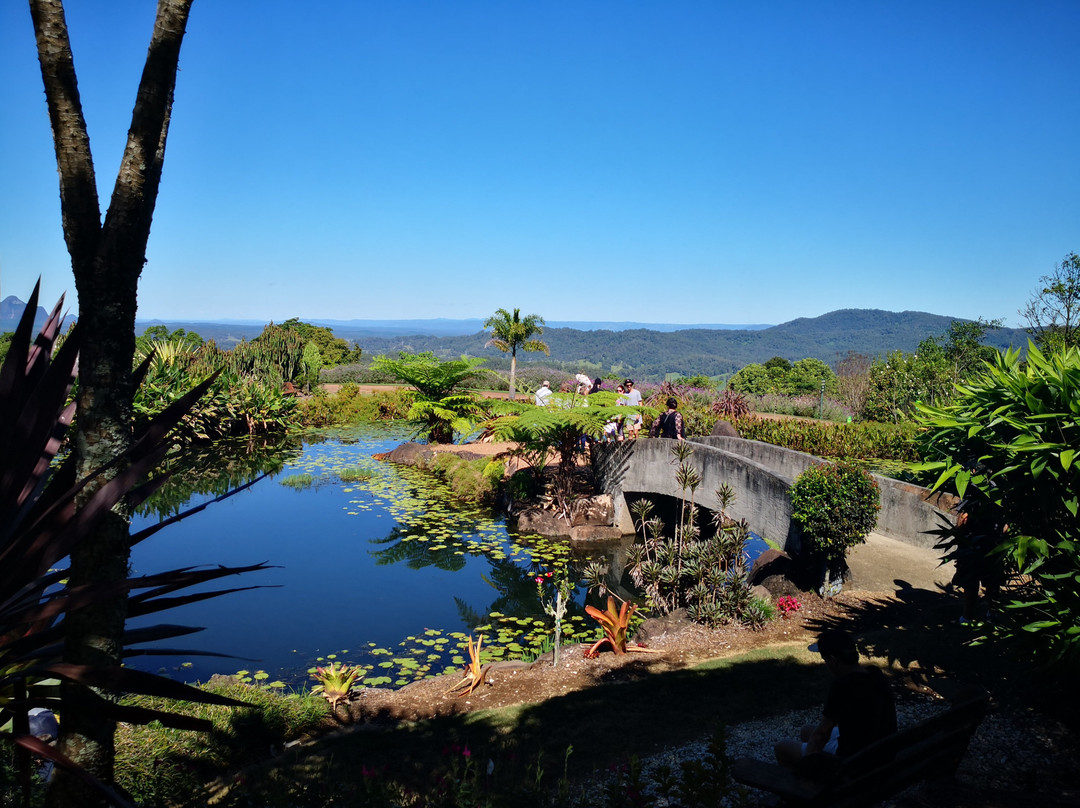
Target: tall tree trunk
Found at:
513, 373
106, 261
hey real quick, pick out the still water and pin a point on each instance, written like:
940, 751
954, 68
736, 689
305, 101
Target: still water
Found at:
358, 565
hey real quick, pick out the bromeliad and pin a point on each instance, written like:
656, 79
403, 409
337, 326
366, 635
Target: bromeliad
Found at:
475, 673
616, 625
335, 682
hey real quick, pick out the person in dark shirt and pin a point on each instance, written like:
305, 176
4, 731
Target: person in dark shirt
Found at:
859, 709
670, 424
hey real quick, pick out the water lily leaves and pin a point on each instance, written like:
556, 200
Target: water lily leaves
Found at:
432, 529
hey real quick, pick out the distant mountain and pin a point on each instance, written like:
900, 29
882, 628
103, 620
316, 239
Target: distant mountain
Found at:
11, 309
444, 327
227, 332
645, 350
650, 354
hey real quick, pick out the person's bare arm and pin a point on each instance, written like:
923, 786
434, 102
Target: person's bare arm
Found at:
820, 736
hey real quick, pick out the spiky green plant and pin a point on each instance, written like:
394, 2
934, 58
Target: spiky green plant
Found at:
706, 575
335, 681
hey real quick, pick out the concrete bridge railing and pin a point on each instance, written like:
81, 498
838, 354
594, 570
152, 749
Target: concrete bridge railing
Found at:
760, 474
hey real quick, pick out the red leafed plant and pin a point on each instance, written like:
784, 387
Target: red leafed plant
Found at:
788, 604
616, 625
39, 526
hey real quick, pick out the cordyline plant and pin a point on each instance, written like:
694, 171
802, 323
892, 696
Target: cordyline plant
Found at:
39, 526
705, 574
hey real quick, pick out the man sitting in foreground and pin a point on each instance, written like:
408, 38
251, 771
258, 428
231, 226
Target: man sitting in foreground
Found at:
858, 711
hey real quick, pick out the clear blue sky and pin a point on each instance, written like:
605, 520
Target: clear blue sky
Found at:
691, 162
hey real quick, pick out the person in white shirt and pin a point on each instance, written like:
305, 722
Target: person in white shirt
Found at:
543, 395
633, 398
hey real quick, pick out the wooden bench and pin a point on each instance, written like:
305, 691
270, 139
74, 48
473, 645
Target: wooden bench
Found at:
925, 751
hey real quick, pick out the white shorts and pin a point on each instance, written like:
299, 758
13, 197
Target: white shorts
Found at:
831, 744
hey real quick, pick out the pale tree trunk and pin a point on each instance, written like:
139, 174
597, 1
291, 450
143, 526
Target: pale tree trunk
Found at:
513, 373
106, 261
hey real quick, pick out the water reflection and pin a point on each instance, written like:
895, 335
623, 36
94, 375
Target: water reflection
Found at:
379, 568
216, 470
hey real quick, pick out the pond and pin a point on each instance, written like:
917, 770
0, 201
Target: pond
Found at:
373, 564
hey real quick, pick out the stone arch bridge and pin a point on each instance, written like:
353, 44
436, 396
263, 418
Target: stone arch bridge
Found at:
760, 474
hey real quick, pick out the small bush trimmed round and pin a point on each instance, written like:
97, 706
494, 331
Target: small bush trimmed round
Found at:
836, 505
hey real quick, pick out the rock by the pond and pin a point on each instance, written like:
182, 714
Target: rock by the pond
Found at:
770, 572
548, 523
407, 454
596, 510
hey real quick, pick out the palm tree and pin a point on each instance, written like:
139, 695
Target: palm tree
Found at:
512, 331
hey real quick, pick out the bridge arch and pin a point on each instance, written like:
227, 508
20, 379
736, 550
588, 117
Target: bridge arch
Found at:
760, 474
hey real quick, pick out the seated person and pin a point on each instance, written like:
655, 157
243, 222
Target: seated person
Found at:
859, 709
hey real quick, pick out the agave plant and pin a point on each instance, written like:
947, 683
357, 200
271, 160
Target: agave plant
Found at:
335, 681
39, 526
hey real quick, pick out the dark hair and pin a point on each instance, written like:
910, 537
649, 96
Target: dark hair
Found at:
833, 642
672, 404
628, 382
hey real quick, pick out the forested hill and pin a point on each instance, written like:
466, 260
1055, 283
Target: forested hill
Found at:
650, 354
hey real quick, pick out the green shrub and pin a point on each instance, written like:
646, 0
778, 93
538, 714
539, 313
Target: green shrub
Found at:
836, 505
1009, 442
348, 406
862, 441
469, 480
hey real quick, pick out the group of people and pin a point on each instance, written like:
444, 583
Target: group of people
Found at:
668, 425
628, 395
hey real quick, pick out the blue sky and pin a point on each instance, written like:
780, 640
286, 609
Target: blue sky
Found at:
694, 162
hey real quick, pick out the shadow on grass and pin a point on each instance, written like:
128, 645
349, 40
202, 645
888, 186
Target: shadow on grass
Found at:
528, 747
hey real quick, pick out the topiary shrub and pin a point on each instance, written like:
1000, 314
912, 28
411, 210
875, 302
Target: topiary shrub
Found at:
836, 505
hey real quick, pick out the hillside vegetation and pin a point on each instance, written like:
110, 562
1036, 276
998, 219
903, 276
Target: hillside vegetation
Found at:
651, 354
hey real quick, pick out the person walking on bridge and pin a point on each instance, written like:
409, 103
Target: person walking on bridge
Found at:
670, 424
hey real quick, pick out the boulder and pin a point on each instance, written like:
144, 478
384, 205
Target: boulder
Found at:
669, 625
762, 592
770, 573
544, 522
770, 562
596, 510
724, 429
409, 454
589, 534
